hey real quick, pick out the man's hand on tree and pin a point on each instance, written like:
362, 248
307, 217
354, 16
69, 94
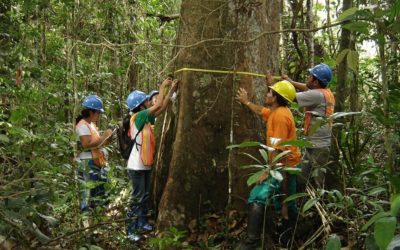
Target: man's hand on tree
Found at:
241, 96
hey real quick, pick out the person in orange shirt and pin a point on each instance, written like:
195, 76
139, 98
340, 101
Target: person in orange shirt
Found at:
280, 127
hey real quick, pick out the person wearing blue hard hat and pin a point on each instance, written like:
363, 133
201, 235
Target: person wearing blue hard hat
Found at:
141, 157
135, 99
318, 102
91, 157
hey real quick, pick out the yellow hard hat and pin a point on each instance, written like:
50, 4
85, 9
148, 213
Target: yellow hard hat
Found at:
285, 89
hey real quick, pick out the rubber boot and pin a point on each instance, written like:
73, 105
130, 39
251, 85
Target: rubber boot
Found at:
254, 227
132, 230
144, 225
285, 230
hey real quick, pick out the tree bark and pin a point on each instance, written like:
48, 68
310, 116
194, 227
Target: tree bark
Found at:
385, 102
201, 172
309, 36
297, 7
329, 30
353, 81
341, 92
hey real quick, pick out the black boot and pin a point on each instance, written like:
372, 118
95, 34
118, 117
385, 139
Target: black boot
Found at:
285, 231
254, 227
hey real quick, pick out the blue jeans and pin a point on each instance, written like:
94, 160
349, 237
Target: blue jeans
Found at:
140, 195
93, 196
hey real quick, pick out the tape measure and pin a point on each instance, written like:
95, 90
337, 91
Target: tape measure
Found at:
225, 72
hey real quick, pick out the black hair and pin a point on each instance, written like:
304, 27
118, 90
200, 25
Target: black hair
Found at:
321, 84
280, 100
138, 108
85, 113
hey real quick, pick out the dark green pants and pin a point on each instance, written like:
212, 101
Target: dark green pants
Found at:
270, 191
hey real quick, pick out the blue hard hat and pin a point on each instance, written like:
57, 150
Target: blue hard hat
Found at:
322, 72
135, 99
152, 93
93, 102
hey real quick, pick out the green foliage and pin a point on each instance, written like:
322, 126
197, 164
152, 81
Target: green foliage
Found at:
333, 243
384, 229
340, 57
352, 60
244, 145
68, 49
309, 204
384, 224
375, 218
295, 196
64, 51
395, 206
273, 167
361, 27
347, 14
297, 143
171, 238
255, 177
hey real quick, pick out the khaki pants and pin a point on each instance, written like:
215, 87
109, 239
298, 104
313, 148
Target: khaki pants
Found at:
314, 168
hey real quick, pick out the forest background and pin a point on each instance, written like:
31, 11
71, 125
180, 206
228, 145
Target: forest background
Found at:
53, 53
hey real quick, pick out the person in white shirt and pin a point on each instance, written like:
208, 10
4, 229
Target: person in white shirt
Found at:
91, 157
142, 155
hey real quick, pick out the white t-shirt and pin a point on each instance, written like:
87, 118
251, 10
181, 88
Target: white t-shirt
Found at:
83, 130
315, 101
135, 160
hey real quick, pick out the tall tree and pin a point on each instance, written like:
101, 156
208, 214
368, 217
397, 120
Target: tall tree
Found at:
309, 36
200, 170
341, 86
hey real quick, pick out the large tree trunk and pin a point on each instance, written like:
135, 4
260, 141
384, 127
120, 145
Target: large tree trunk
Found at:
201, 172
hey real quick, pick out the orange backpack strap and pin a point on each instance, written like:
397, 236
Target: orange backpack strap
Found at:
131, 123
329, 109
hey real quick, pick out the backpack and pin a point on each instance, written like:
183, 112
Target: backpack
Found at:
125, 142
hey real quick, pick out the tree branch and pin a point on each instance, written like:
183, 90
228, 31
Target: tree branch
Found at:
163, 18
224, 40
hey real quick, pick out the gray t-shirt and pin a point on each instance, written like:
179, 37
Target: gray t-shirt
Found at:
315, 101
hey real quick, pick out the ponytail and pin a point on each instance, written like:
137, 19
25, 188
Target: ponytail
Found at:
84, 114
137, 109
78, 119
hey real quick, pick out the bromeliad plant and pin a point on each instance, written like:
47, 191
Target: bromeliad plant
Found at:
266, 165
270, 164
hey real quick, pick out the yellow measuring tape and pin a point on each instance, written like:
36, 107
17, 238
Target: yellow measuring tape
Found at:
225, 72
